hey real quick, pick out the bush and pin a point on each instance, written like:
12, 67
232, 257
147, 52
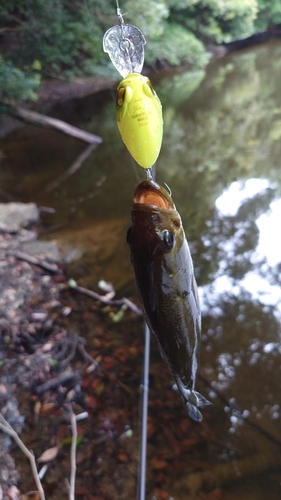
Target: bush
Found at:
64, 38
16, 84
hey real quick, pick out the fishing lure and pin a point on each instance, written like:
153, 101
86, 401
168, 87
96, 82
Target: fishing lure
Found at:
139, 118
138, 108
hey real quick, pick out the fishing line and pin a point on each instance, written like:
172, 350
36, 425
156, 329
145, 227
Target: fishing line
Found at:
143, 441
124, 44
150, 174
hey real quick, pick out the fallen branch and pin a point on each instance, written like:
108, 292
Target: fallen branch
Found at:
92, 362
73, 168
53, 268
224, 474
8, 429
48, 121
239, 413
77, 344
66, 378
104, 300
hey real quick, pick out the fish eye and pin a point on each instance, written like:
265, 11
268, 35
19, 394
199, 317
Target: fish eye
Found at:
168, 238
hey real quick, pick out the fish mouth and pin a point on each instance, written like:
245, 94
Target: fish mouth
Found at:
150, 193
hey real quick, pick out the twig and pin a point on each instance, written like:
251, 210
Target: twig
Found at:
48, 121
103, 299
240, 413
9, 30
74, 342
64, 378
6, 427
86, 355
53, 268
73, 168
73, 456
224, 474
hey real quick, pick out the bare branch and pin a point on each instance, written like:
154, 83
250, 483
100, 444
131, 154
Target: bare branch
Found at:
239, 413
73, 168
53, 268
8, 429
103, 299
48, 121
73, 455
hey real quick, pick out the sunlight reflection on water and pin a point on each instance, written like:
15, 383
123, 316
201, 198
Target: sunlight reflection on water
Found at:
269, 245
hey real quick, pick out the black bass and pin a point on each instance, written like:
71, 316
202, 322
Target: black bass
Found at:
166, 286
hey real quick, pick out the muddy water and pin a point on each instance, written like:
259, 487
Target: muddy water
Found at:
221, 158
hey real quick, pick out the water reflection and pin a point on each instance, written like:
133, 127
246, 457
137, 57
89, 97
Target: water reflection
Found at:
221, 158
264, 256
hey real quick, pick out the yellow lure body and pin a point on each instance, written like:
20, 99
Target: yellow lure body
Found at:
139, 118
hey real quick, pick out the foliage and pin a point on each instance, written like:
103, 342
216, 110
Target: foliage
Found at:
66, 37
269, 12
177, 45
148, 16
15, 83
214, 21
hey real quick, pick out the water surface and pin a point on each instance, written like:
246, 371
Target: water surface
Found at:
221, 158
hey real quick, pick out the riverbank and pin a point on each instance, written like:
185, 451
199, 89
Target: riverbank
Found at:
53, 93
45, 366
225, 136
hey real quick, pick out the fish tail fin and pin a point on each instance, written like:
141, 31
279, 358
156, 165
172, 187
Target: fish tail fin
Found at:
193, 401
193, 412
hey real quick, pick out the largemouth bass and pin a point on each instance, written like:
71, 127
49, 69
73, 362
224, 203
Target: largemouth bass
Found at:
166, 286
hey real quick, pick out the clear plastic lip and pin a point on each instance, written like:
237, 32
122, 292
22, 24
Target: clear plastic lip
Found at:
124, 44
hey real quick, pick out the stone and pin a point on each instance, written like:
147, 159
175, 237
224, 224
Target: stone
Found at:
18, 215
43, 250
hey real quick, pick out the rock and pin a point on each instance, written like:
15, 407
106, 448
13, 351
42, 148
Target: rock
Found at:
43, 250
18, 215
98, 243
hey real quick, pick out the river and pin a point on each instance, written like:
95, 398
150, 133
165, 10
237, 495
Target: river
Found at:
221, 158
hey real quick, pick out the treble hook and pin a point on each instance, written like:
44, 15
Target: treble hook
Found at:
168, 189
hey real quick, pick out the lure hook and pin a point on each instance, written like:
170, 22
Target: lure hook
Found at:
149, 176
168, 189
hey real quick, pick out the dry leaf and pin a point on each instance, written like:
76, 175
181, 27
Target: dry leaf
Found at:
13, 493
31, 495
48, 455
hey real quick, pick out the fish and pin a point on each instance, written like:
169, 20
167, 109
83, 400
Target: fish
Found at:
166, 287
139, 118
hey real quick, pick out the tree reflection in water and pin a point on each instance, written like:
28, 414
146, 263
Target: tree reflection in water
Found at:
224, 131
